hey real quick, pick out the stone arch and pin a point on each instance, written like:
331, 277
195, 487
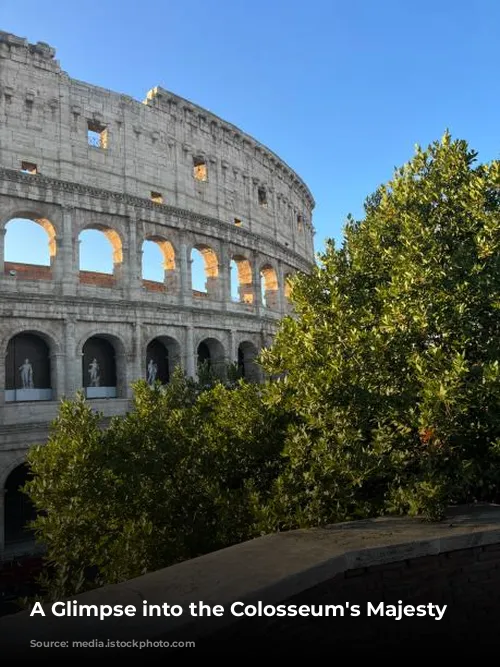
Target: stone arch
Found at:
211, 351
210, 268
40, 330
102, 278
247, 361
30, 367
18, 508
17, 266
165, 352
169, 262
269, 284
6, 470
105, 377
244, 277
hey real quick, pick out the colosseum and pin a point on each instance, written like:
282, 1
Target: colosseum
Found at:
75, 157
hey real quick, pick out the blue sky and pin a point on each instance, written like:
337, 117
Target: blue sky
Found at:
342, 91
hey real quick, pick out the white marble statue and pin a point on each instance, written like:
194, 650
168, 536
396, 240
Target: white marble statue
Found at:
26, 371
94, 373
152, 372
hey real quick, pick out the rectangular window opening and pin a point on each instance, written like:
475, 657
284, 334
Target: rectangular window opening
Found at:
29, 168
300, 223
200, 171
156, 197
262, 194
97, 134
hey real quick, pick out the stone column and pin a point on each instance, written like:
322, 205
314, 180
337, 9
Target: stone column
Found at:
225, 275
190, 365
67, 264
257, 282
2, 250
58, 375
73, 365
232, 353
133, 259
185, 262
281, 289
138, 361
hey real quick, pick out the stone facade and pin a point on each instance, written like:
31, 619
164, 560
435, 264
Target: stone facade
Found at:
75, 157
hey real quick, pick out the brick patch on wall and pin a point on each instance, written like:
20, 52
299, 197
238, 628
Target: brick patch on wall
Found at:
97, 279
153, 286
28, 271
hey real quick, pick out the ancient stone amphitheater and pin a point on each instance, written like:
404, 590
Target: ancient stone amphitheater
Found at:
75, 157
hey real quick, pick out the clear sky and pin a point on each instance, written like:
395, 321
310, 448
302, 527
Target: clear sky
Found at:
342, 91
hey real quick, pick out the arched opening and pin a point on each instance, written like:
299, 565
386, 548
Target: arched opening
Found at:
241, 280
247, 365
100, 256
32, 260
203, 354
269, 287
18, 508
27, 369
162, 356
158, 264
204, 271
99, 368
211, 354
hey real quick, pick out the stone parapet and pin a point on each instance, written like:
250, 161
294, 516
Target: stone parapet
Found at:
453, 564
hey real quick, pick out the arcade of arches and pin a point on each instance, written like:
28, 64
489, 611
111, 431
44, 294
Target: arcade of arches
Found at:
99, 261
30, 374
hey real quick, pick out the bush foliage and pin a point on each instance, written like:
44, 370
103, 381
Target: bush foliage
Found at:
393, 361
388, 399
173, 479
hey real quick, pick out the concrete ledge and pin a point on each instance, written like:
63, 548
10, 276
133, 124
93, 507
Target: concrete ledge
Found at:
270, 569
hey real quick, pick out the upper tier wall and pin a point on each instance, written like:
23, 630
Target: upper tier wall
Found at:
146, 147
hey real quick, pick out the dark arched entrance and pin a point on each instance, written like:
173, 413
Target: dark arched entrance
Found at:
99, 368
27, 369
211, 353
241, 363
204, 354
19, 509
247, 366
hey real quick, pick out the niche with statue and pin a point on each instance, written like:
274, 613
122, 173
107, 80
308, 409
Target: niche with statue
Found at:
157, 363
27, 369
99, 368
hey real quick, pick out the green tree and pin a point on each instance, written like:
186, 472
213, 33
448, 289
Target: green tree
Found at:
391, 368
175, 478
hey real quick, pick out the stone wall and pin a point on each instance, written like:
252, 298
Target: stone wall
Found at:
455, 563
467, 581
149, 146
75, 157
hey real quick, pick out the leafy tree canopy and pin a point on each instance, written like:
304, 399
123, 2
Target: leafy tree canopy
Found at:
173, 479
392, 364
